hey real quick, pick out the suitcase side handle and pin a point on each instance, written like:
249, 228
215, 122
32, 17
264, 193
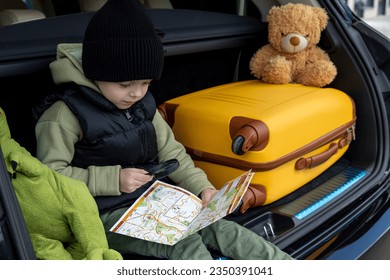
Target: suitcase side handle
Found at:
304, 163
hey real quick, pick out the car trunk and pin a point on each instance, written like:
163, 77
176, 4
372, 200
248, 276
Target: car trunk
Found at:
205, 49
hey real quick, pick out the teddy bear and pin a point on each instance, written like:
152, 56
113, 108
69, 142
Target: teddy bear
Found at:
61, 215
292, 54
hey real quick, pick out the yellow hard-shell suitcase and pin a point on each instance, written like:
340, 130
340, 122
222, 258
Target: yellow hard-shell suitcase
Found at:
287, 134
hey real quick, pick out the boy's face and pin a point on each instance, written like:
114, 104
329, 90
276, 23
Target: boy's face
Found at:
124, 94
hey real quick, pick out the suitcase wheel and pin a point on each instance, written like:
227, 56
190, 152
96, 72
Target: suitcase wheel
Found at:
248, 135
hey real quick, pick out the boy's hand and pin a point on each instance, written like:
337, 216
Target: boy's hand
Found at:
130, 179
207, 195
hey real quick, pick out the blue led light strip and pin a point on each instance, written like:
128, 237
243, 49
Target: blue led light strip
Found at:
321, 202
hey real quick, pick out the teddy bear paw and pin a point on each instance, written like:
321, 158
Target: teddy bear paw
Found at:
318, 74
277, 71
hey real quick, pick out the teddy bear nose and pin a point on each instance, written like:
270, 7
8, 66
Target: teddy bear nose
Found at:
295, 41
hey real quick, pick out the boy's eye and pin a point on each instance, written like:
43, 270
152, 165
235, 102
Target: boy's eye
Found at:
134, 83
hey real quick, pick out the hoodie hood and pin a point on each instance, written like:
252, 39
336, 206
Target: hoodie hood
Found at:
68, 66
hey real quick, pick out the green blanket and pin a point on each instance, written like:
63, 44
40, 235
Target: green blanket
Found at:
61, 215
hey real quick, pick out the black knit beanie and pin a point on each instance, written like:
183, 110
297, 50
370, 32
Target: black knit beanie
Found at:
121, 44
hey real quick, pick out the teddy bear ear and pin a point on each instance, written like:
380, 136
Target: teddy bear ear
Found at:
272, 11
322, 17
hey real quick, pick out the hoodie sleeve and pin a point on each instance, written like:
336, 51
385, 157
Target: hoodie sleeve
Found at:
57, 131
187, 175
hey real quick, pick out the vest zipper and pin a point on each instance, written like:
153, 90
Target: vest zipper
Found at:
128, 116
145, 138
144, 135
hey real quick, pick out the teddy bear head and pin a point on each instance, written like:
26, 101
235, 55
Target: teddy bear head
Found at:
295, 27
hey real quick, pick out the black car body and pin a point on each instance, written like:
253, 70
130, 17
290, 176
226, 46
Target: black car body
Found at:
208, 44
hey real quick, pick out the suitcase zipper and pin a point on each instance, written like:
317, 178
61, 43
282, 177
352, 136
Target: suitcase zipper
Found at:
345, 134
351, 131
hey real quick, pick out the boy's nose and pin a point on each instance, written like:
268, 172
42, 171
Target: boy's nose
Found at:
136, 92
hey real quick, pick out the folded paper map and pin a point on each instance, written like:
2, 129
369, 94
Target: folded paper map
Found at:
166, 213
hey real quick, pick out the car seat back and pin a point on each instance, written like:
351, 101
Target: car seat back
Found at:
12, 4
12, 16
94, 5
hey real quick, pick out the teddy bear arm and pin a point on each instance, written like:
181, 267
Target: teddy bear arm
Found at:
317, 54
270, 66
319, 70
260, 60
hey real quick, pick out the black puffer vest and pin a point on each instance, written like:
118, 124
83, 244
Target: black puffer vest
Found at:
111, 136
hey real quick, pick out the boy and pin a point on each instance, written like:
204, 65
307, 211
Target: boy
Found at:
107, 133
